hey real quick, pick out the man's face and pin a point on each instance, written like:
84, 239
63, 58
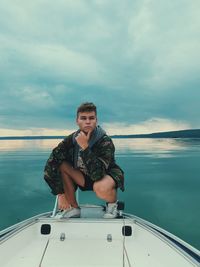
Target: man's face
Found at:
86, 121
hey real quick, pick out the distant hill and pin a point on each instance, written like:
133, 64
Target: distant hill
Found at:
193, 133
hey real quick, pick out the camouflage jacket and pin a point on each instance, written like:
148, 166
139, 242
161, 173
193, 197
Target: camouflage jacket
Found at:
99, 161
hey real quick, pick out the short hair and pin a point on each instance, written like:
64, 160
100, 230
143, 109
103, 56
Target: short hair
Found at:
86, 107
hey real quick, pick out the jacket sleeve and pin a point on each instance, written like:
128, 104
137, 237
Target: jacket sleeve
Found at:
98, 160
51, 171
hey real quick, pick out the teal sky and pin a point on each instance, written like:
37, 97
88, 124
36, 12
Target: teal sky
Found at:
137, 60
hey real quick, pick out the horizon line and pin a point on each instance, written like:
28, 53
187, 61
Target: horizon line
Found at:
112, 135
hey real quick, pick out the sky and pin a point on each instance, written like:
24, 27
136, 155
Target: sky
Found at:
137, 60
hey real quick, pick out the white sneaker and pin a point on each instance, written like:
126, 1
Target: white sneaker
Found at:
111, 211
71, 213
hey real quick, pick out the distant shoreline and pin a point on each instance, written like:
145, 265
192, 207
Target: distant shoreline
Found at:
193, 133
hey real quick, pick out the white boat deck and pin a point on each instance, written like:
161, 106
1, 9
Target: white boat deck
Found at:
88, 242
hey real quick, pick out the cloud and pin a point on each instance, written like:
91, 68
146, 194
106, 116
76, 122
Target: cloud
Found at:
49, 61
130, 58
150, 126
168, 44
35, 132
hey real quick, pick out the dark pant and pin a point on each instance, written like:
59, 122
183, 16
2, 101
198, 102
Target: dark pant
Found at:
88, 184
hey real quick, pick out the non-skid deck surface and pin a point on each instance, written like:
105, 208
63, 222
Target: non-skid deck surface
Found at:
83, 253
86, 243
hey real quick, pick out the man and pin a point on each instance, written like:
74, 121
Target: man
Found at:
84, 159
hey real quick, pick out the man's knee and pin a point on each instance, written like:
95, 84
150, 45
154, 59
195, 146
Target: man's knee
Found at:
98, 188
104, 186
65, 167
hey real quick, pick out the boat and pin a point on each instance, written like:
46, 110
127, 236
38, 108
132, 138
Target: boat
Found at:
48, 240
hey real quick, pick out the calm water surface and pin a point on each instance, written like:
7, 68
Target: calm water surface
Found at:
162, 182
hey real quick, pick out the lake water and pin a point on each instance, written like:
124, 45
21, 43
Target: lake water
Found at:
162, 182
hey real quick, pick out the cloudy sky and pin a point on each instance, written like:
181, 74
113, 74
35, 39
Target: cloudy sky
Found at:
137, 60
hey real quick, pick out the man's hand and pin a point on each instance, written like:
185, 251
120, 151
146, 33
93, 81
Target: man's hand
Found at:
83, 139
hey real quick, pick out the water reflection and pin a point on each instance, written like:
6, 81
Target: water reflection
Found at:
18, 145
150, 145
135, 145
163, 191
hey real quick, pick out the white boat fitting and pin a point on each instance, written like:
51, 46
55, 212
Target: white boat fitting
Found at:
49, 241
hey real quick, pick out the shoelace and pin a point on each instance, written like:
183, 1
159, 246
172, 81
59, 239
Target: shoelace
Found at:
111, 208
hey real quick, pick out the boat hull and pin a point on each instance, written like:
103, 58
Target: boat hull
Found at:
47, 240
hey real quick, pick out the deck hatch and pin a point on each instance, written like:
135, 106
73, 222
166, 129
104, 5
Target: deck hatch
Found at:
45, 229
127, 230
